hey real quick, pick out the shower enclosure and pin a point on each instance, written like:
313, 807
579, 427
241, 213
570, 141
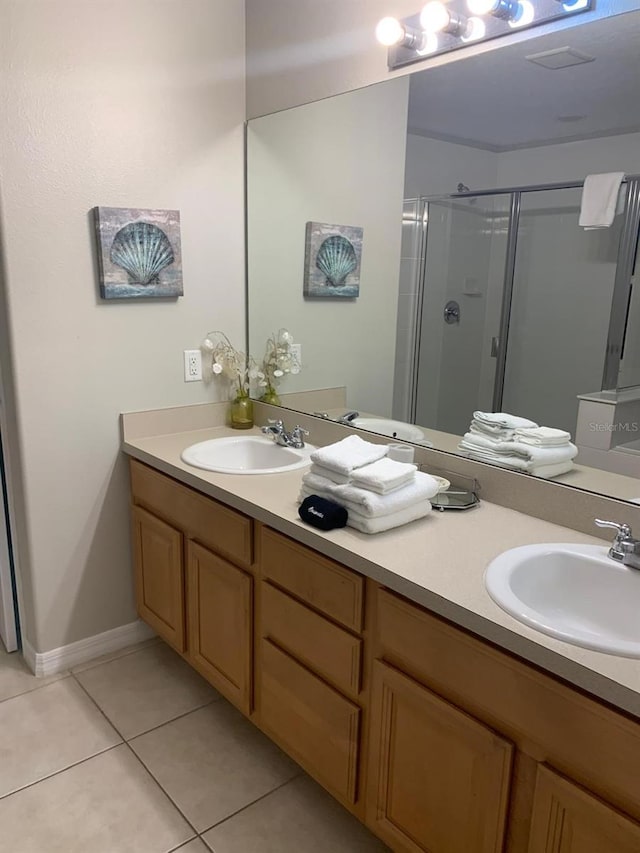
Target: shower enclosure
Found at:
506, 304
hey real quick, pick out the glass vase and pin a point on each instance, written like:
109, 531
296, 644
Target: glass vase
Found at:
241, 411
270, 396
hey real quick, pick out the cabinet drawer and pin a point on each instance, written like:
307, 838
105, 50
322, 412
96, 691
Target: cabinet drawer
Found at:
316, 580
201, 518
324, 647
313, 722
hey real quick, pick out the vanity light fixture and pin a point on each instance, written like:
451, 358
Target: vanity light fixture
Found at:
445, 25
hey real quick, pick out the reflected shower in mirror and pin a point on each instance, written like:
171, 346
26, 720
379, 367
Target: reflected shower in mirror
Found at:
478, 288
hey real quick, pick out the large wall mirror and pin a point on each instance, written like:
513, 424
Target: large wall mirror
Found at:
478, 289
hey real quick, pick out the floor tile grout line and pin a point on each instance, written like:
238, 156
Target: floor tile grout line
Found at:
183, 844
172, 720
252, 803
63, 675
146, 731
166, 793
88, 665
62, 770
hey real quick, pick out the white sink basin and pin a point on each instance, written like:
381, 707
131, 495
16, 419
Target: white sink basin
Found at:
394, 429
247, 454
573, 592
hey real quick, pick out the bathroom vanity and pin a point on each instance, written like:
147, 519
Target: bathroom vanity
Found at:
382, 667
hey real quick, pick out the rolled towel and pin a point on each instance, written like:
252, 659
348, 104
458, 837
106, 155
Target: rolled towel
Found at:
600, 200
328, 474
388, 522
502, 420
322, 513
350, 453
543, 436
370, 504
384, 476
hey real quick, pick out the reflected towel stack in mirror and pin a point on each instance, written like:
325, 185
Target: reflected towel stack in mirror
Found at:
520, 444
378, 493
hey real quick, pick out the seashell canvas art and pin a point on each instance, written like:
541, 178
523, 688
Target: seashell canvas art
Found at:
138, 252
332, 260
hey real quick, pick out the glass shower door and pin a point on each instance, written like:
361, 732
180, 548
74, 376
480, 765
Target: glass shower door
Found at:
561, 304
458, 328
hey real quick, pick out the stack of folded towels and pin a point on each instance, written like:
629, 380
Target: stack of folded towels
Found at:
518, 443
378, 493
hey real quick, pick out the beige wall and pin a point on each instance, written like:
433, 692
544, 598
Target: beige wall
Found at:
317, 163
112, 103
303, 50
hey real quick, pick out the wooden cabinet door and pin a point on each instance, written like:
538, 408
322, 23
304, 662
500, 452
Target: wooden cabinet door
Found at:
568, 819
439, 779
159, 568
220, 624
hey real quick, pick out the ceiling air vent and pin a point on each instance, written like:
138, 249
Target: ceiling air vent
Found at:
561, 57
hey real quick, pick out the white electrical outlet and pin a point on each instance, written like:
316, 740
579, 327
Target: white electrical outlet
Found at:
296, 350
192, 365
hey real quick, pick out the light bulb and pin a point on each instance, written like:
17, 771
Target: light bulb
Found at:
434, 17
389, 31
429, 45
476, 29
481, 7
574, 5
525, 14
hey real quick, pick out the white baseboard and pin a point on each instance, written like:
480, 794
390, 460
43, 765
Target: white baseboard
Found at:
62, 659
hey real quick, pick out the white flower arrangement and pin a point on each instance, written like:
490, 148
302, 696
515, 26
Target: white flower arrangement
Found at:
228, 362
241, 370
279, 360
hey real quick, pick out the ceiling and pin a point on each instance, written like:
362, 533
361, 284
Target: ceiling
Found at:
500, 101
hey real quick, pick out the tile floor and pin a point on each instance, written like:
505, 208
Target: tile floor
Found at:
135, 753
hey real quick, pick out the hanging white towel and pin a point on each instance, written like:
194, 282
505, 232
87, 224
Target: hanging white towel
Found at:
600, 200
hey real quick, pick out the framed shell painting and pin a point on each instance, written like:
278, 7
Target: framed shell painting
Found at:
139, 252
332, 260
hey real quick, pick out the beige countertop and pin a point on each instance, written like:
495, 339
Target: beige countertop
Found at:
438, 562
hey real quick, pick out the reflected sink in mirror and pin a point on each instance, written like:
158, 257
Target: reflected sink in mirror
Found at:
575, 593
394, 429
247, 454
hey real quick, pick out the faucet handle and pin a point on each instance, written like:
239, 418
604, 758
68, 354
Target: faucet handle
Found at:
298, 430
624, 531
278, 422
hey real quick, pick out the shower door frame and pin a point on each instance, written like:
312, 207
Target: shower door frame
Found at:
621, 290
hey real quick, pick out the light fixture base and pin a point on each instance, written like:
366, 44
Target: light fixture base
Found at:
498, 24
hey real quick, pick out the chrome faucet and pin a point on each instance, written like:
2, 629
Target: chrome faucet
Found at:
348, 418
624, 548
294, 439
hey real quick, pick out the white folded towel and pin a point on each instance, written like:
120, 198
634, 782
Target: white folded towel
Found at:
384, 476
543, 436
516, 453
350, 453
600, 200
366, 524
492, 434
370, 504
501, 420
334, 476
388, 522
548, 471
